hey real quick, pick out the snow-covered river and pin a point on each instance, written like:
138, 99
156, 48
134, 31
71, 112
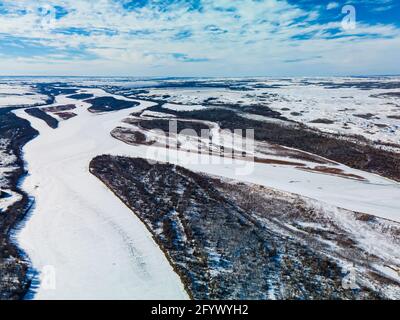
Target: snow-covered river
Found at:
97, 248
78, 230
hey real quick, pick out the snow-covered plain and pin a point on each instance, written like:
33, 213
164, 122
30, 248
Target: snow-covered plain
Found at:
19, 95
351, 110
99, 249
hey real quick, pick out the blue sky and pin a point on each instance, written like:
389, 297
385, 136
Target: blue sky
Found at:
199, 37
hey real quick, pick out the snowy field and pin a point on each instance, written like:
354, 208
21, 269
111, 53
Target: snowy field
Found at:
350, 109
19, 95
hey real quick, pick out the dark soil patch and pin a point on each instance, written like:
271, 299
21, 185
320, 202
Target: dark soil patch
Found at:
66, 115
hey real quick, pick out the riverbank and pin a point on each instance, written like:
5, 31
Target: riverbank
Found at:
15, 133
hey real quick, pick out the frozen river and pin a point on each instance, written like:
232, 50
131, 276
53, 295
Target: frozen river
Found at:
96, 248
78, 230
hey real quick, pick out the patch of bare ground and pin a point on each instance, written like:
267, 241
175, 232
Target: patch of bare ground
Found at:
381, 125
298, 154
62, 108
230, 240
387, 95
62, 111
66, 115
366, 116
382, 279
278, 162
130, 136
323, 121
334, 171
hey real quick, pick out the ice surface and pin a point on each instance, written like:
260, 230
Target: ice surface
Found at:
97, 247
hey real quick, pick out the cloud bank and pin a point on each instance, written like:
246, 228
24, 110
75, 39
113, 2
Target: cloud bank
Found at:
197, 38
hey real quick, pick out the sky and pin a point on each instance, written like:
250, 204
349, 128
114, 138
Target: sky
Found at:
231, 38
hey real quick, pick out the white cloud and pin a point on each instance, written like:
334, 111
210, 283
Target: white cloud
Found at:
256, 38
332, 5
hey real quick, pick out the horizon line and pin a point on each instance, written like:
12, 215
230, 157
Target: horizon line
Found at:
198, 77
